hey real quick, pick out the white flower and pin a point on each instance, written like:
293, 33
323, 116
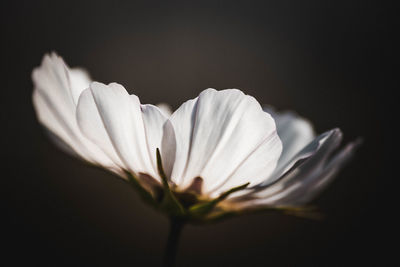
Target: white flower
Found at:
218, 153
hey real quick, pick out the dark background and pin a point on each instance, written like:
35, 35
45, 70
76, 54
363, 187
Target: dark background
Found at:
331, 62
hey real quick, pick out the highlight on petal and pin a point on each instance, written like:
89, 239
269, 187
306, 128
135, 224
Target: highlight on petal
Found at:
304, 182
79, 80
56, 89
295, 133
165, 109
128, 132
92, 126
225, 138
156, 127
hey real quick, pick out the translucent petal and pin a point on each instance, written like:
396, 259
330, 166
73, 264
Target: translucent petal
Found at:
56, 88
307, 180
221, 136
126, 130
165, 109
295, 133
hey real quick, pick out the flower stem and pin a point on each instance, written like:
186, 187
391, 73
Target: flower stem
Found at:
176, 226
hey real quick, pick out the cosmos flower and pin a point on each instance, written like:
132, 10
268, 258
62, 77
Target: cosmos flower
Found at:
220, 153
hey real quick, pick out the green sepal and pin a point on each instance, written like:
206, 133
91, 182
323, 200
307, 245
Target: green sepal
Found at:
169, 203
143, 193
202, 209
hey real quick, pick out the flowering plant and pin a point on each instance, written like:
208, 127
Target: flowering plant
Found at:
218, 155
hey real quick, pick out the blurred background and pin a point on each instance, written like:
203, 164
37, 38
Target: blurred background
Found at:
332, 62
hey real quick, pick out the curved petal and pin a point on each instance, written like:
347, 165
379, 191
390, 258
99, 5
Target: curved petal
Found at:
54, 126
225, 138
165, 108
56, 88
320, 148
154, 120
92, 126
126, 130
307, 180
295, 133
320, 180
79, 80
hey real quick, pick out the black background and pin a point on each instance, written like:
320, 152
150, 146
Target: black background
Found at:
331, 62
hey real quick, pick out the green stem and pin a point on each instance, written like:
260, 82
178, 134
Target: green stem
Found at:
176, 226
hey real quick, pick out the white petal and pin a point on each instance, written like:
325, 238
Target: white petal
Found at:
55, 92
79, 80
92, 126
322, 147
121, 126
307, 180
168, 148
225, 138
320, 180
165, 108
295, 133
121, 115
154, 119
55, 128
181, 123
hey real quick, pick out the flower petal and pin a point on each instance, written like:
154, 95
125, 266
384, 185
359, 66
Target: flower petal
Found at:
154, 120
295, 133
316, 184
54, 126
165, 108
92, 126
321, 148
303, 183
225, 138
79, 80
126, 130
56, 88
